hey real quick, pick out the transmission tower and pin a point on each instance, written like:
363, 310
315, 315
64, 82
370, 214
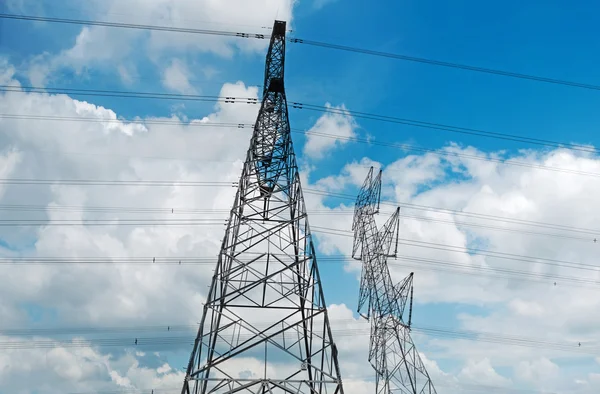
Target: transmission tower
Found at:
265, 328
392, 353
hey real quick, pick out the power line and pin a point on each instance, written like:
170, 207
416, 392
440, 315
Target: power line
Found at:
110, 222
168, 122
152, 78
174, 340
480, 388
314, 43
213, 221
169, 341
195, 21
496, 228
186, 211
172, 222
445, 64
445, 153
449, 128
181, 210
298, 105
407, 205
481, 252
133, 26
95, 182
401, 146
418, 264
448, 383
404, 205
407, 261
125, 94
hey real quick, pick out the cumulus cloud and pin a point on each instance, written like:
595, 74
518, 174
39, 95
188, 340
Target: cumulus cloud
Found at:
59, 370
176, 78
482, 372
9, 160
538, 371
526, 308
521, 303
331, 129
114, 48
112, 149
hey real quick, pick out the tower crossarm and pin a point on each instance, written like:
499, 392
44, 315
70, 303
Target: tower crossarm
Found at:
272, 127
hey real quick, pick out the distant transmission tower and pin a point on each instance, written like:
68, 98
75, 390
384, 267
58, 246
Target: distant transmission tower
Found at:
265, 328
392, 353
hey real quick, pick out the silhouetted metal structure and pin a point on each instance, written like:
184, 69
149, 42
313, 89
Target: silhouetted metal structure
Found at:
392, 353
265, 327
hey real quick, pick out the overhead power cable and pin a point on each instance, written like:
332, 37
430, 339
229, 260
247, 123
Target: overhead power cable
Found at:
405, 261
297, 40
171, 341
452, 129
194, 221
312, 107
483, 216
475, 251
434, 62
125, 94
132, 26
91, 182
404, 205
110, 222
446, 153
182, 210
201, 260
166, 212
479, 388
448, 383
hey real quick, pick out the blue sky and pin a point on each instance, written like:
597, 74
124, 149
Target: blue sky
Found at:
554, 40
551, 39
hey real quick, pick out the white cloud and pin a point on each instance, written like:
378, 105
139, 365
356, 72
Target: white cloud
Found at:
176, 78
7, 71
411, 174
538, 371
111, 48
59, 370
513, 306
115, 150
39, 69
340, 126
8, 162
482, 372
128, 73
526, 308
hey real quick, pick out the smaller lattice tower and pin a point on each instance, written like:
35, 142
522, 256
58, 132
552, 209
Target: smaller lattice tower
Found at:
392, 353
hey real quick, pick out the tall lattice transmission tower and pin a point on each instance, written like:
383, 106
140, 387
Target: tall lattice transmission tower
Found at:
265, 328
392, 353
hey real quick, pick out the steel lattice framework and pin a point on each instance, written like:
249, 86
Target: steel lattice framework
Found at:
266, 271
392, 353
